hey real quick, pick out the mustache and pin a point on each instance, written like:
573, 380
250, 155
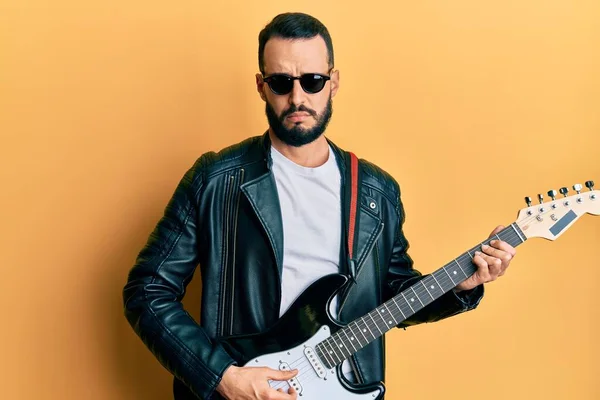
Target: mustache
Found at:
294, 109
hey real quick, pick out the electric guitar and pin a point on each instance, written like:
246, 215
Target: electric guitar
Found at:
307, 338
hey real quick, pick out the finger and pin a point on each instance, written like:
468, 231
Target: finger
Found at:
483, 272
280, 375
279, 395
488, 267
498, 229
292, 392
497, 253
502, 245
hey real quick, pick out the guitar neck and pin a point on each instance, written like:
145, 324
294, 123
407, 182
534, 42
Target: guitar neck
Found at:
362, 331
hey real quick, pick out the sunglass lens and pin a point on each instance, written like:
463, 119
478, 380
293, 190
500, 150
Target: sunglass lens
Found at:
312, 83
281, 84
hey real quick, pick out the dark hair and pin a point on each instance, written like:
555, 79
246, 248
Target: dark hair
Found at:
293, 26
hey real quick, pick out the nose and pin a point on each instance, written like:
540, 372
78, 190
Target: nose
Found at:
296, 96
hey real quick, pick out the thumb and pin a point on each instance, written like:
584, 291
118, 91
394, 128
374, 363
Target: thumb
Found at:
281, 375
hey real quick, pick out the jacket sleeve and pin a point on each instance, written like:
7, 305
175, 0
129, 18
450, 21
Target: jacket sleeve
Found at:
402, 275
156, 285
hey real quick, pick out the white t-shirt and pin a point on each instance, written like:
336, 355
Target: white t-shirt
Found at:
311, 213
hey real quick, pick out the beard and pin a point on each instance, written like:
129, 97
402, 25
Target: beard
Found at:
296, 135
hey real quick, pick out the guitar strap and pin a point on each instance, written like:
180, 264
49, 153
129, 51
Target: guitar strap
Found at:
352, 207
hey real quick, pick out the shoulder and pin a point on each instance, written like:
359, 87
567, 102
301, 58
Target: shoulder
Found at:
215, 163
379, 179
231, 157
375, 178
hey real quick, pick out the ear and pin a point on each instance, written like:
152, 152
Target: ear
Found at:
335, 82
260, 87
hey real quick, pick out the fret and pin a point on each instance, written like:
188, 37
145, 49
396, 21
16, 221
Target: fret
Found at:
398, 306
407, 310
449, 276
362, 333
380, 321
391, 315
335, 348
377, 326
517, 232
416, 295
433, 287
461, 270
438, 283
432, 298
324, 356
411, 307
467, 265
350, 339
382, 314
331, 350
340, 345
352, 330
372, 334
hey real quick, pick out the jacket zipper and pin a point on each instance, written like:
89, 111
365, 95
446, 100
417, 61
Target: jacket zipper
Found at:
221, 323
230, 215
233, 250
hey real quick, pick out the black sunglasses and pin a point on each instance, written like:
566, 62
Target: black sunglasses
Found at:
283, 84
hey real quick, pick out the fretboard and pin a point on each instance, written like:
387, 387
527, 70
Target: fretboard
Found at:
362, 331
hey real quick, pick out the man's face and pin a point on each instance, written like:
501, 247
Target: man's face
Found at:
297, 118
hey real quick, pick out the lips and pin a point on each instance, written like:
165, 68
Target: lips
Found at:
298, 117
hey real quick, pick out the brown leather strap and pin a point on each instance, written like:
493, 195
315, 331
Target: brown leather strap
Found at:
353, 203
352, 232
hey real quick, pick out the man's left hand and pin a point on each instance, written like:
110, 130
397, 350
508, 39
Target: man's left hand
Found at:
491, 262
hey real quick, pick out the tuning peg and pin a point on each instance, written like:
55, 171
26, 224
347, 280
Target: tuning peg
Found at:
528, 201
564, 191
552, 193
541, 198
590, 185
577, 187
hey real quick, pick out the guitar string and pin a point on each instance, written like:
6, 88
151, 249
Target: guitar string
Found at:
304, 365
509, 235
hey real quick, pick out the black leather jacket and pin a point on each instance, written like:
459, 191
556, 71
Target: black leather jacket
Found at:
224, 215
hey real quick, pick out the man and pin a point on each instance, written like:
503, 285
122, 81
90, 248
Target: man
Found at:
264, 219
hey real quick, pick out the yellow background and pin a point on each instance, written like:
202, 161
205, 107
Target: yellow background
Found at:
471, 105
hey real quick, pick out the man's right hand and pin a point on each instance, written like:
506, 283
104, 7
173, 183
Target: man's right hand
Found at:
251, 383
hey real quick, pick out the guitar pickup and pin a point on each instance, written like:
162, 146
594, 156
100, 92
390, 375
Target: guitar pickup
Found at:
315, 362
283, 366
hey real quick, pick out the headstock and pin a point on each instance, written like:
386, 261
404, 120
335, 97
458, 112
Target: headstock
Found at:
549, 220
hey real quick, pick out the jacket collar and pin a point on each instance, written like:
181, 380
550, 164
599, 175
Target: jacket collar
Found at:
262, 194
340, 155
